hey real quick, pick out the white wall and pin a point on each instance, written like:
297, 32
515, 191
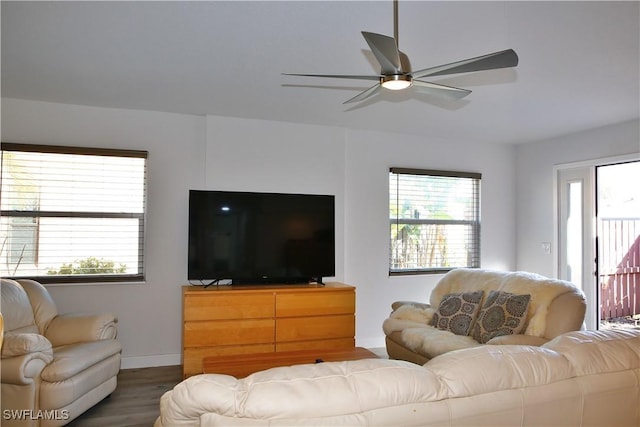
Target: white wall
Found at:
149, 314
369, 155
226, 153
353, 165
535, 184
258, 155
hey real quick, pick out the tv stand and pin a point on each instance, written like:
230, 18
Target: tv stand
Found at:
249, 319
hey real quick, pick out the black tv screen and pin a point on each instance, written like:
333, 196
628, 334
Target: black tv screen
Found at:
249, 237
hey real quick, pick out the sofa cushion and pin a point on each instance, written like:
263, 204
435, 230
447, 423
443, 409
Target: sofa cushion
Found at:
457, 312
44, 309
416, 334
16, 308
99, 378
593, 352
431, 342
69, 360
489, 368
324, 390
502, 313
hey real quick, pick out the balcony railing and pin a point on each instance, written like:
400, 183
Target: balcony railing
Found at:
619, 267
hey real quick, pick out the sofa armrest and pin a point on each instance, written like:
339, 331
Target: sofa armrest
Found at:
74, 328
22, 370
518, 339
397, 304
22, 344
24, 356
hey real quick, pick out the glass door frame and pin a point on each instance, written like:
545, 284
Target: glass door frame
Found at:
584, 173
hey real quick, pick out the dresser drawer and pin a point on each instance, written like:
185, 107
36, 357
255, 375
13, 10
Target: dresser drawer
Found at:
315, 328
216, 306
315, 304
228, 332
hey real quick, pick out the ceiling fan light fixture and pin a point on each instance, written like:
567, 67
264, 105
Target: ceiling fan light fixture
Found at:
396, 81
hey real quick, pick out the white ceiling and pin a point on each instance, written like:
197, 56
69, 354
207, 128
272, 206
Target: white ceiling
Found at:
579, 62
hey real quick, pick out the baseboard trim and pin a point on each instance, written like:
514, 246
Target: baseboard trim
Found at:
371, 342
150, 361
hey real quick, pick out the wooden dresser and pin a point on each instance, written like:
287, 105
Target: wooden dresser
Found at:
228, 320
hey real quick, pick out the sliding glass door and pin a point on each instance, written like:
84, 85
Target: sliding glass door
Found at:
618, 249
599, 238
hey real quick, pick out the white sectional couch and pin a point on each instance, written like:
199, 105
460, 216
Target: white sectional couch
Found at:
583, 378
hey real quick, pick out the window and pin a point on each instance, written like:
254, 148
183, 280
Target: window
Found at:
434, 221
72, 214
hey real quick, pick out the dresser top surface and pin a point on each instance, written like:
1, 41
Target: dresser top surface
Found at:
329, 286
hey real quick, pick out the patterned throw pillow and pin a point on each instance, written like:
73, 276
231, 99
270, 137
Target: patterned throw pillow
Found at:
503, 313
458, 312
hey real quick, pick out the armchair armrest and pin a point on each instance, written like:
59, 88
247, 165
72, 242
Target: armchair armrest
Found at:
24, 356
17, 344
74, 328
398, 304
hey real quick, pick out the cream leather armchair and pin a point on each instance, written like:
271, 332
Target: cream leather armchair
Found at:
554, 308
54, 366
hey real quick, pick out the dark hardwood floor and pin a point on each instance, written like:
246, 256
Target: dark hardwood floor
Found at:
136, 400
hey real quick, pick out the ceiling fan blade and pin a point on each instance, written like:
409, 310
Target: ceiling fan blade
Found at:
442, 90
364, 94
385, 49
503, 59
335, 76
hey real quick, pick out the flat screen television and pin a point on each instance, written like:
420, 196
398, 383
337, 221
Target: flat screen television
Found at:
249, 237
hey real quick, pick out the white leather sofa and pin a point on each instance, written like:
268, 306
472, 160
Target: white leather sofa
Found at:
583, 378
54, 367
554, 307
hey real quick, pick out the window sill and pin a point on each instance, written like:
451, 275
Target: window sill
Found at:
127, 283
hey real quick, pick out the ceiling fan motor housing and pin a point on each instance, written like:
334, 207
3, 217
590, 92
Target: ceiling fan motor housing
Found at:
396, 81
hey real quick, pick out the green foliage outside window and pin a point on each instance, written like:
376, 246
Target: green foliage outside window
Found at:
89, 265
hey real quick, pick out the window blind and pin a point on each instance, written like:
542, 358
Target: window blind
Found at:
72, 214
434, 220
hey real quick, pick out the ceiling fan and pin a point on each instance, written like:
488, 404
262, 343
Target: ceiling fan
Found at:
396, 73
